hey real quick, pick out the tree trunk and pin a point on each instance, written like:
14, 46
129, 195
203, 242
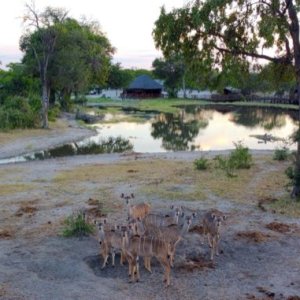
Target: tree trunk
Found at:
45, 104
296, 188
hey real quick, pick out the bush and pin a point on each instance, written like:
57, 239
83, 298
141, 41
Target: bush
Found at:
240, 158
202, 163
281, 154
17, 113
53, 113
76, 226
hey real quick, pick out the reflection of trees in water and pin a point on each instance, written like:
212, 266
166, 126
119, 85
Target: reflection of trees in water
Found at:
178, 130
264, 117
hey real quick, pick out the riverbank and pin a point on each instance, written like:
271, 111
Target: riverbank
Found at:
64, 130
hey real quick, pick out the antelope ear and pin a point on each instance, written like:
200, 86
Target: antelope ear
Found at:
104, 221
172, 206
117, 227
194, 215
95, 222
132, 195
182, 214
213, 216
122, 195
224, 217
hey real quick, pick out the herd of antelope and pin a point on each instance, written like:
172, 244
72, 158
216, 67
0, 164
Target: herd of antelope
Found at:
148, 235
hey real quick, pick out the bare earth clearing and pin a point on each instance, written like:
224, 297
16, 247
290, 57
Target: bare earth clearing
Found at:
260, 246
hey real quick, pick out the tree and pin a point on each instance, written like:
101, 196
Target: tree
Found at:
227, 33
68, 55
172, 71
81, 58
41, 42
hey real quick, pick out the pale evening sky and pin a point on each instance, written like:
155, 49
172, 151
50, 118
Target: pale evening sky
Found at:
128, 24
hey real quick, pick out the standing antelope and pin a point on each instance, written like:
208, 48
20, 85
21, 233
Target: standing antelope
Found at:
110, 242
136, 246
211, 227
136, 211
163, 220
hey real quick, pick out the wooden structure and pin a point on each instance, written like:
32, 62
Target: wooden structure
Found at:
143, 87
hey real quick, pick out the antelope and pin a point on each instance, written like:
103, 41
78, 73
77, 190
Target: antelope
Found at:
172, 234
139, 210
146, 247
110, 242
160, 220
211, 226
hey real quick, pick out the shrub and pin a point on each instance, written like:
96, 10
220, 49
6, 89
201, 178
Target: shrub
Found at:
281, 154
201, 163
76, 226
17, 113
240, 158
53, 113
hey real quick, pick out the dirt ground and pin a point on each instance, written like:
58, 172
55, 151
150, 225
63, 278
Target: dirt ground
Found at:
259, 247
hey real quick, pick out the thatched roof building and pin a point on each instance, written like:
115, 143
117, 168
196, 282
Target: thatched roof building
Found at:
143, 87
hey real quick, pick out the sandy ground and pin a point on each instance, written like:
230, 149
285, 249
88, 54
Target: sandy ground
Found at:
257, 261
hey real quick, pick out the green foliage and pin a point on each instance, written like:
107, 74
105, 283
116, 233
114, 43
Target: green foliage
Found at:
17, 113
109, 145
240, 158
201, 163
16, 81
281, 154
53, 113
75, 225
217, 37
171, 71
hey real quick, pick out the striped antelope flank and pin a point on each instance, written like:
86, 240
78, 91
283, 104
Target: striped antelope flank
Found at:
110, 242
172, 234
163, 220
211, 226
139, 210
146, 247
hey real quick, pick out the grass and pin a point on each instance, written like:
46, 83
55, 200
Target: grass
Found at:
286, 206
75, 225
159, 105
179, 180
12, 135
169, 105
8, 189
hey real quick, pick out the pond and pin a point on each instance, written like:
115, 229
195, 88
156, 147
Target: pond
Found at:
194, 128
204, 128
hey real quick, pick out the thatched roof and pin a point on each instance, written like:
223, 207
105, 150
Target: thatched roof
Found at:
144, 82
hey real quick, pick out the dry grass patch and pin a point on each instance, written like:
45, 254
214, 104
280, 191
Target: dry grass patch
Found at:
12, 135
279, 227
6, 233
195, 263
177, 180
253, 236
26, 209
286, 206
8, 189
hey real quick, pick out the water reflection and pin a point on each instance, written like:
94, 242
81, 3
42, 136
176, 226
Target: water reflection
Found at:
108, 145
177, 131
206, 128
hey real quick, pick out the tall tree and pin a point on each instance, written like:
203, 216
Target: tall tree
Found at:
40, 39
172, 71
224, 33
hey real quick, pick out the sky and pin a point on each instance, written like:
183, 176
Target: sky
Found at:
128, 24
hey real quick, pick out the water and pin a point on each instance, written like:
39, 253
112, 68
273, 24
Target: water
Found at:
194, 128
216, 128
